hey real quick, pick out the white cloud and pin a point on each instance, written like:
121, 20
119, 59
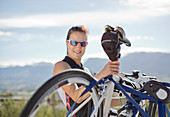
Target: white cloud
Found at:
94, 38
10, 36
24, 37
101, 54
135, 10
25, 62
97, 38
159, 4
142, 49
124, 51
148, 8
21, 37
5, 33
135, 38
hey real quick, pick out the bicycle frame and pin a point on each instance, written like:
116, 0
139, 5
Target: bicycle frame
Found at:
162, 108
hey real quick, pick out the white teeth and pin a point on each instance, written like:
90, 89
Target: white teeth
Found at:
77, 52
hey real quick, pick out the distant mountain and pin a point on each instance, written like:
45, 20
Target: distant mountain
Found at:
151, 63
156, 64
30, 77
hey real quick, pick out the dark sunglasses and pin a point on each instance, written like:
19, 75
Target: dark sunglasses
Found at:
74, 43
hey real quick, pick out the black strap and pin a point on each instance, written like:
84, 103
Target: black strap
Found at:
72, 63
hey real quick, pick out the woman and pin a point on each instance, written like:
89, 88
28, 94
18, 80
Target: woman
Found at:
77, 40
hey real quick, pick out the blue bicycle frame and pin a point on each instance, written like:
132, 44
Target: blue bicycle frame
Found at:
162, 108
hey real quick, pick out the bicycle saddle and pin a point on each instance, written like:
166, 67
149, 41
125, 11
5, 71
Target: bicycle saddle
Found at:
111, 40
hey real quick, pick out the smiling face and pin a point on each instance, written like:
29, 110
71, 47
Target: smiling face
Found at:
76, 52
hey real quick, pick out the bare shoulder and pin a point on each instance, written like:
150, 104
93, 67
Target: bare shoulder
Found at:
60, 67
61, 64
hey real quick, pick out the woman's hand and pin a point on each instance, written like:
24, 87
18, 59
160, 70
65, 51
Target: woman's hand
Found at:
112, 67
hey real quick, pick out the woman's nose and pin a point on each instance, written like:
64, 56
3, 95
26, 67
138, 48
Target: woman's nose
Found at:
78, 45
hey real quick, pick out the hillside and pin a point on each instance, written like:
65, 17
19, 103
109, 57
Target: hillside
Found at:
156, 64
30, 77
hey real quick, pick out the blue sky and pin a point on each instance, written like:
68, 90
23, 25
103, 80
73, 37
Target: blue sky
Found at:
35, 30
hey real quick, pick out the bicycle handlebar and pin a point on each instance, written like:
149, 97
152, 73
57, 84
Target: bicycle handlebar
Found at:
137, 75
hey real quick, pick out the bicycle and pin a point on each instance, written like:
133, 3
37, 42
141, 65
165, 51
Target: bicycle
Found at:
136, 88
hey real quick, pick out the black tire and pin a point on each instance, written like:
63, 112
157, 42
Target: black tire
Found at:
64, 78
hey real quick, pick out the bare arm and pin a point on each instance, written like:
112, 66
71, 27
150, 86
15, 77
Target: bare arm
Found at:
72, 90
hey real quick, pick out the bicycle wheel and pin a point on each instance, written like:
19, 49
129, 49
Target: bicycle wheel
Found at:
51, 86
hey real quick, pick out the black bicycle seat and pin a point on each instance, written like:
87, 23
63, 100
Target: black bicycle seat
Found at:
112, 39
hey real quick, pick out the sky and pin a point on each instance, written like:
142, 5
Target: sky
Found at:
35, 30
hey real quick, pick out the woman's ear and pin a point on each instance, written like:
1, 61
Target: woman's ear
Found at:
67, 43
